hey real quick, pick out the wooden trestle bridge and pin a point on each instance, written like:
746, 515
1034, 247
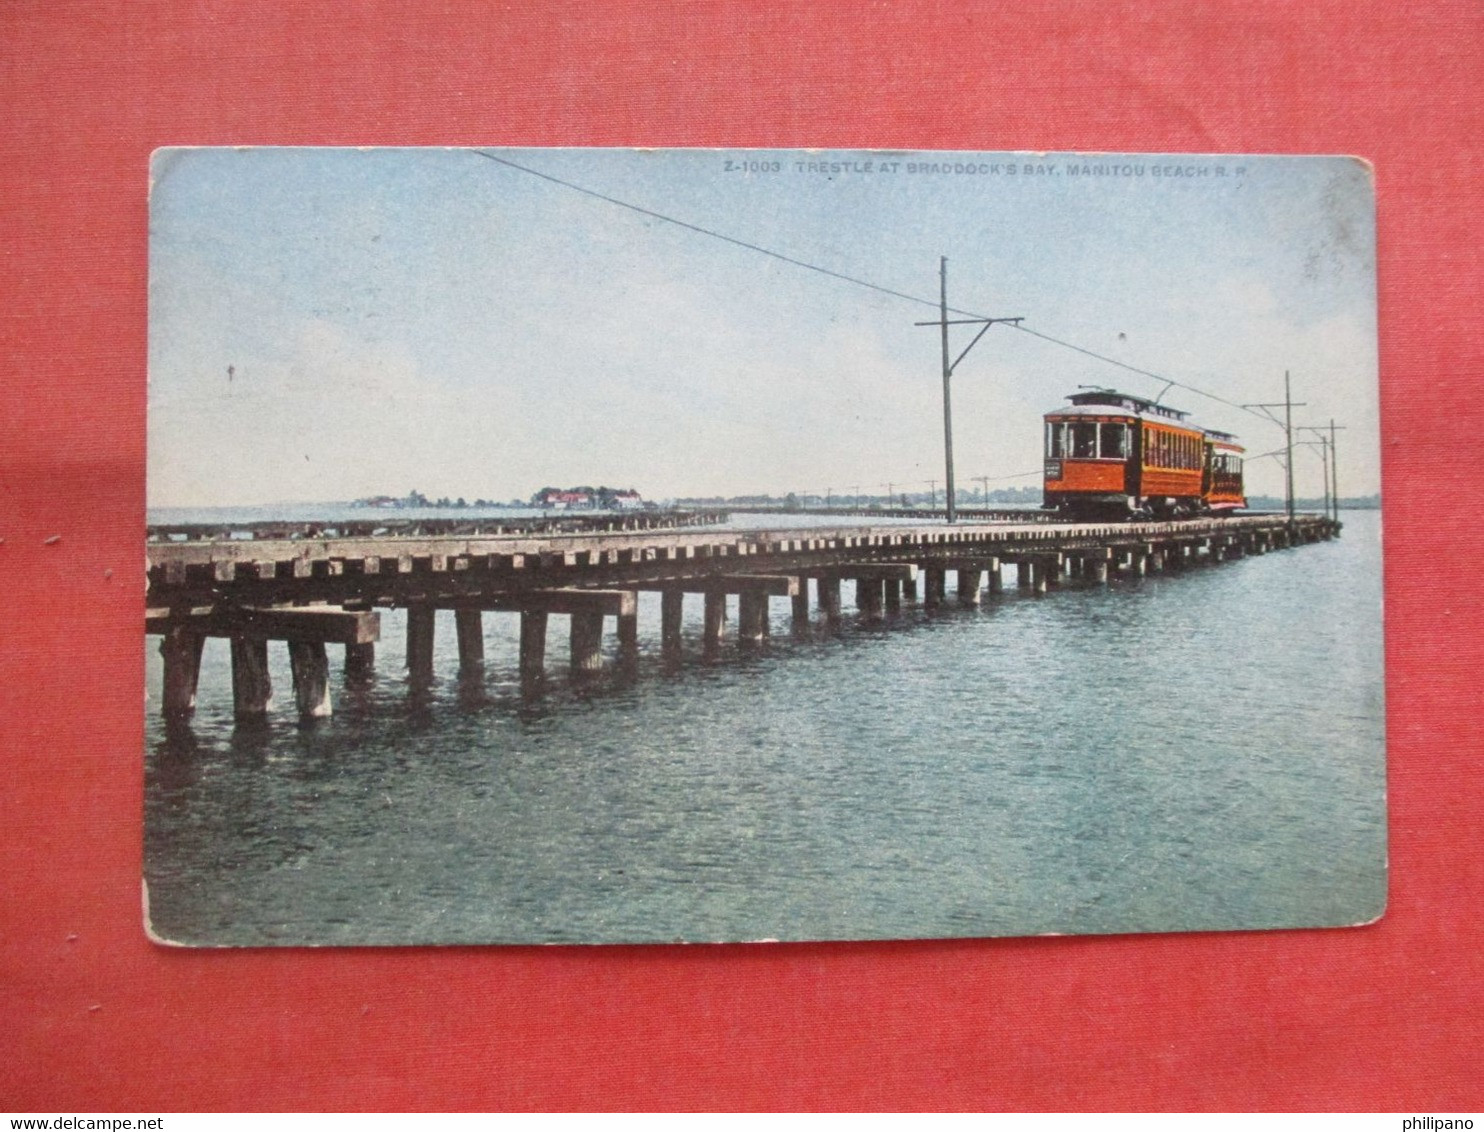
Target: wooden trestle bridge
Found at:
325, 587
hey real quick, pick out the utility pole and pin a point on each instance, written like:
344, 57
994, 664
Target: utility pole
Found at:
1287, 405
1324, 462
1324, 459
984, 491
943, 322
933, 495
1334, 469
1288, 432
1326, 435
947, 373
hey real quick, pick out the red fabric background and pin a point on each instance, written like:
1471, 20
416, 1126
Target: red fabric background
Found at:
92, 1016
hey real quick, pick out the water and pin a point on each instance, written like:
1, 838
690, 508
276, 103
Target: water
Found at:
1189, 751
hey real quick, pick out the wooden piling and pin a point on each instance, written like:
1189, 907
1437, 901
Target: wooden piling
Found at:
532, 644
829, 597
969, 583
252, 688
310, 665
751, 613
868, 597
420, 625
996, 574
935, 586
587, 642
360, 662
672, 613
628, 636
715, 621
891, 595
1040, 570
800, 601
909, 590
181, 650
469, 625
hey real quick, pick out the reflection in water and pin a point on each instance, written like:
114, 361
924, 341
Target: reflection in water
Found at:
1197, 750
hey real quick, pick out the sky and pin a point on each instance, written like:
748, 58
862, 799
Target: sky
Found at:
330, 324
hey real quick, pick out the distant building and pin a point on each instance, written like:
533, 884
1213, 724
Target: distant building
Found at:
559, 499
629, 500
579, 498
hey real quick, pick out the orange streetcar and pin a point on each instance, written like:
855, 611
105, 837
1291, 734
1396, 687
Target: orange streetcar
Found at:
1112, 455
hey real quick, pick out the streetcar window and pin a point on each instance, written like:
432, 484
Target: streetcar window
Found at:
1113, 442
1084, 441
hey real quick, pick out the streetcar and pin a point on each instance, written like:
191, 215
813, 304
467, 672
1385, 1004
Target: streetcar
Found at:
1112, 455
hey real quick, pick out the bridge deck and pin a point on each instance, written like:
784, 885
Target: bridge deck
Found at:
393, 567
259, 589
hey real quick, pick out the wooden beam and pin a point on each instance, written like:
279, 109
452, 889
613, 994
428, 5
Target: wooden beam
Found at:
325, 624
880, 571
776, 585
605, 603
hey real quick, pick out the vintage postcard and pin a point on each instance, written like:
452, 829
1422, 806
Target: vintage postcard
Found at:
617, 546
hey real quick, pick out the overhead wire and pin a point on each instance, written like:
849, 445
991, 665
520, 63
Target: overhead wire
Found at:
841, 276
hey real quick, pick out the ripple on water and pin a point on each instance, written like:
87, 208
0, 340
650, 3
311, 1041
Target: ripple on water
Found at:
1196, 750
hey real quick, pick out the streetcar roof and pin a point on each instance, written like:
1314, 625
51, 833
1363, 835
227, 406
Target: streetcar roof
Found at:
1071, 412
1108, 402
1127, 401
